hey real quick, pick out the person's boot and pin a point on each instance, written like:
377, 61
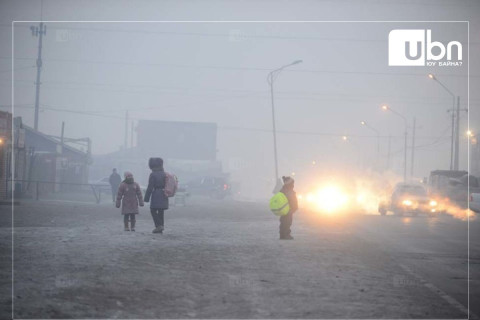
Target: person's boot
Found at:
126, 226
132, 228
154, 217
158, 230
285, 236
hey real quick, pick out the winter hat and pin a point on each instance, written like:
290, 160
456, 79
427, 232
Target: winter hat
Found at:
155, 163
287, 180
128, 174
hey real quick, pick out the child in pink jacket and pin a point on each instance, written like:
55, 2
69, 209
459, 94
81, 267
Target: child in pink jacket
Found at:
129, 195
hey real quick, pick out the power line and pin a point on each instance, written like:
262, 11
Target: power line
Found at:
241, 35
185, 90
17, 69
433, 144
195, 103
51, 108
26, 105
221, 35
326, 134
256, 94
125, 63
234, 128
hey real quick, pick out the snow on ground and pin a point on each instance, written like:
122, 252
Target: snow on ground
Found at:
217, 259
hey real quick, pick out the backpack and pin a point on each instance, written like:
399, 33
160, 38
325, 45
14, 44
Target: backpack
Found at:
171, 184
279, 204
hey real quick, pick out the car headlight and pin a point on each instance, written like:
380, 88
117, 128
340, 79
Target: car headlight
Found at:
433, 203
407, 202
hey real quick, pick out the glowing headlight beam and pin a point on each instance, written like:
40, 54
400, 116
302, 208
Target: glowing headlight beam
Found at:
330, 199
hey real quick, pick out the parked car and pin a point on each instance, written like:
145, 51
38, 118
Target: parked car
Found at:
409, 198
211, 186
454, 185
474, 203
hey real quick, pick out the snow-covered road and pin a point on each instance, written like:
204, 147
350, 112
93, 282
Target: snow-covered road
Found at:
223, 259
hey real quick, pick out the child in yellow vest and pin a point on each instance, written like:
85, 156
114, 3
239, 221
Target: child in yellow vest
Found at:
286, 220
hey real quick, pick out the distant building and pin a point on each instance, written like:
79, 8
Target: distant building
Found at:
178, 140
188, 148
37, 158
5, 153
49, 160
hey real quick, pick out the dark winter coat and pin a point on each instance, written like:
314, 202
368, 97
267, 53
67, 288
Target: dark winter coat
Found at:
156, 184
130, 196
291, 195
115, 180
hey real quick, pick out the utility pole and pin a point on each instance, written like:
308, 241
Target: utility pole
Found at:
377, 161
131, 135
405, 156
457, 135
62, 135
405, 121
456, 161
389, 151
453, 137
38, 32
432, 76
126, 132
413, 148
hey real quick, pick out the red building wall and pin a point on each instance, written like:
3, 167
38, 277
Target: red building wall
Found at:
5, 152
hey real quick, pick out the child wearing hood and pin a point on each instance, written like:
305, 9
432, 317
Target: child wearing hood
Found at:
286, 220
129, 195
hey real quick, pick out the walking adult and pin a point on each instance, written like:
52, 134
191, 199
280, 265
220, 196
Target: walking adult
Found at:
115, 181
155, 191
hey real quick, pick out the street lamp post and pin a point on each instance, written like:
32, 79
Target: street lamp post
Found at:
39, 32
271, 79
385, 107
363, 123
432, 76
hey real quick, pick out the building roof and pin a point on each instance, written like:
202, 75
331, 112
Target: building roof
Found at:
49, 139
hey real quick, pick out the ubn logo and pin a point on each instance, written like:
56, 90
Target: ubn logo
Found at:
414, 48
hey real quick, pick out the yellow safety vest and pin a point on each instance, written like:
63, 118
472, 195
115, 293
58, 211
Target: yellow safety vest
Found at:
279, 204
